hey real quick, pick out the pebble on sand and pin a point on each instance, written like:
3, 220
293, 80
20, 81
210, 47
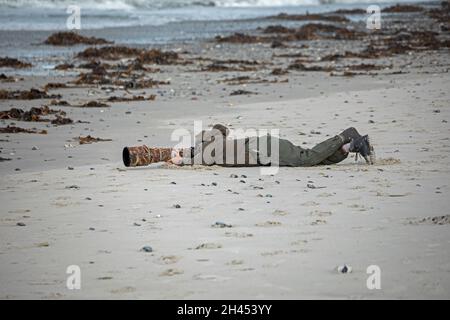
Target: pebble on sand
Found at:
147, 249
220, 224
344, 269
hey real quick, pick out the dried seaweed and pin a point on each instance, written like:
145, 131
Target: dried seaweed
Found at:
248, 80
89, 139
13, 63
93, 104
133, 98
277, 44
61, 120
349, 11
153, 56
402, 8
71, 38
156, 56
27, 95
241, 92
12, 129
54, 85
64, 66
309, 17
36, 114
242, 38
5, 78
315, 31
278, 29
95, 65
59, 103
219, 67
279, 72
109, 53
310, 31
301, 67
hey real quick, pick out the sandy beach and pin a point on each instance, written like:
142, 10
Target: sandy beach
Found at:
233, 233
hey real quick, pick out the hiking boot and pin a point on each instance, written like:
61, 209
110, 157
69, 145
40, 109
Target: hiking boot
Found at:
349, 134
363, 147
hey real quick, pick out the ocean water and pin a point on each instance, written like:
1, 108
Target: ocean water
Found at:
25, 24
99, 14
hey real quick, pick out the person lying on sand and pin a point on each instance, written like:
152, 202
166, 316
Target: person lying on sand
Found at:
214, 147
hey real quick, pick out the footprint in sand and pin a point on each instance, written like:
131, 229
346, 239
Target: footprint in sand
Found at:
318, 222
268, 224
211, 277
169, 259
320, 213
209, 246
238, 234
299, 243
359, 207
438, 220
247, 269
325, 195
171, 272
310, 204
123, 290
272, 253
280, 213
235, 262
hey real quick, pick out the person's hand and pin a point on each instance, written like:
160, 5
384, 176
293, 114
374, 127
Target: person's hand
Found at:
176, 158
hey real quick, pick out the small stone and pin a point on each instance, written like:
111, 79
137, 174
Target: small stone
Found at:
69, 168
136, 224
220, 224
35, 148
147, 249
344, 269
208, 246
21, 224
214, 184
173, 182
176, 206
91, 229
234, 176
42, 245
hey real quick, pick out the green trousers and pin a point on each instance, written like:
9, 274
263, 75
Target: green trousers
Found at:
250, 152
324, 153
